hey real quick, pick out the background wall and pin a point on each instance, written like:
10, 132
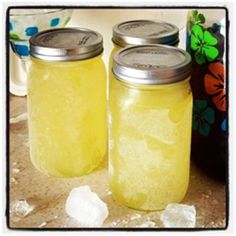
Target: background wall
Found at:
102, 20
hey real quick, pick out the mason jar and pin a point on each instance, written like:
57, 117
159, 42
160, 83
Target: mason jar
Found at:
150, 126
67, 102
140, 32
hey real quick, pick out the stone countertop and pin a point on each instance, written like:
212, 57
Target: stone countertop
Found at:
46, 196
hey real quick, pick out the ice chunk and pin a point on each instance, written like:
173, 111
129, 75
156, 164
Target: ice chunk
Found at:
21, 208
86, 207
179, 215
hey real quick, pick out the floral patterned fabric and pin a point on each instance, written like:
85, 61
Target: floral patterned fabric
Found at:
209, 127
203, 117
215, 85
203, 43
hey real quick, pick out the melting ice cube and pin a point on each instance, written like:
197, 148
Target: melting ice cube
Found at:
179, 215
86, 207
21, 208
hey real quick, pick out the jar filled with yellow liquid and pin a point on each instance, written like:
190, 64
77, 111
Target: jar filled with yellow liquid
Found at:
141, 32
67, 102
150, 126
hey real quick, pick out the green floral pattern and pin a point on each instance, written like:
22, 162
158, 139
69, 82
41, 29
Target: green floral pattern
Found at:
197, 18
203, 42
203, 117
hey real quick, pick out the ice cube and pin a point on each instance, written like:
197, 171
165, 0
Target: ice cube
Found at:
86, 207
21, 208
179, 216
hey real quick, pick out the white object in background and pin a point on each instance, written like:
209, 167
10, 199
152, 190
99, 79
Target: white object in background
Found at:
179, 216
86, 207
18, 75
88, 18
24, 23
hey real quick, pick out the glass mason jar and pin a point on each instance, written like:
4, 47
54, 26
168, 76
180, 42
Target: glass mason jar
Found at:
150, 126
67, 102
140, 32
206, 41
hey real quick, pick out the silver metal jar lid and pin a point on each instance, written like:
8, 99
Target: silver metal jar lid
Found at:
151, 65
140, 32
66, 44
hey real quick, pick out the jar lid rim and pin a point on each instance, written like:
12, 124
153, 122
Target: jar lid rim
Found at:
151, 64
140, 32
66, 44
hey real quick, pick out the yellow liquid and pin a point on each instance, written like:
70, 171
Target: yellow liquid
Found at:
67, 116
149, 144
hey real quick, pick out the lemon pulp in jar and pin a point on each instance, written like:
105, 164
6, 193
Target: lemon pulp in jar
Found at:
141, 32
67, 102
150, 126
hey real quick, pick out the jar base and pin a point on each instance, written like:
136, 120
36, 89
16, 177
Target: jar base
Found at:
149, 209
57, 174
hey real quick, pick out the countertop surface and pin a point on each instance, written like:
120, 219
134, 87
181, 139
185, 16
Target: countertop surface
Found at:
45, 196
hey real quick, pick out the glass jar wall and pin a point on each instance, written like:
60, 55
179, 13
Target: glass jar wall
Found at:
67, 103
150, 126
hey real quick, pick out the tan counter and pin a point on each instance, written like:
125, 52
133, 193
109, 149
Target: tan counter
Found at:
47, 195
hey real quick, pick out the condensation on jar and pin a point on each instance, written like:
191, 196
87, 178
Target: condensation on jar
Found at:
150, 126
67, 102
141, 32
